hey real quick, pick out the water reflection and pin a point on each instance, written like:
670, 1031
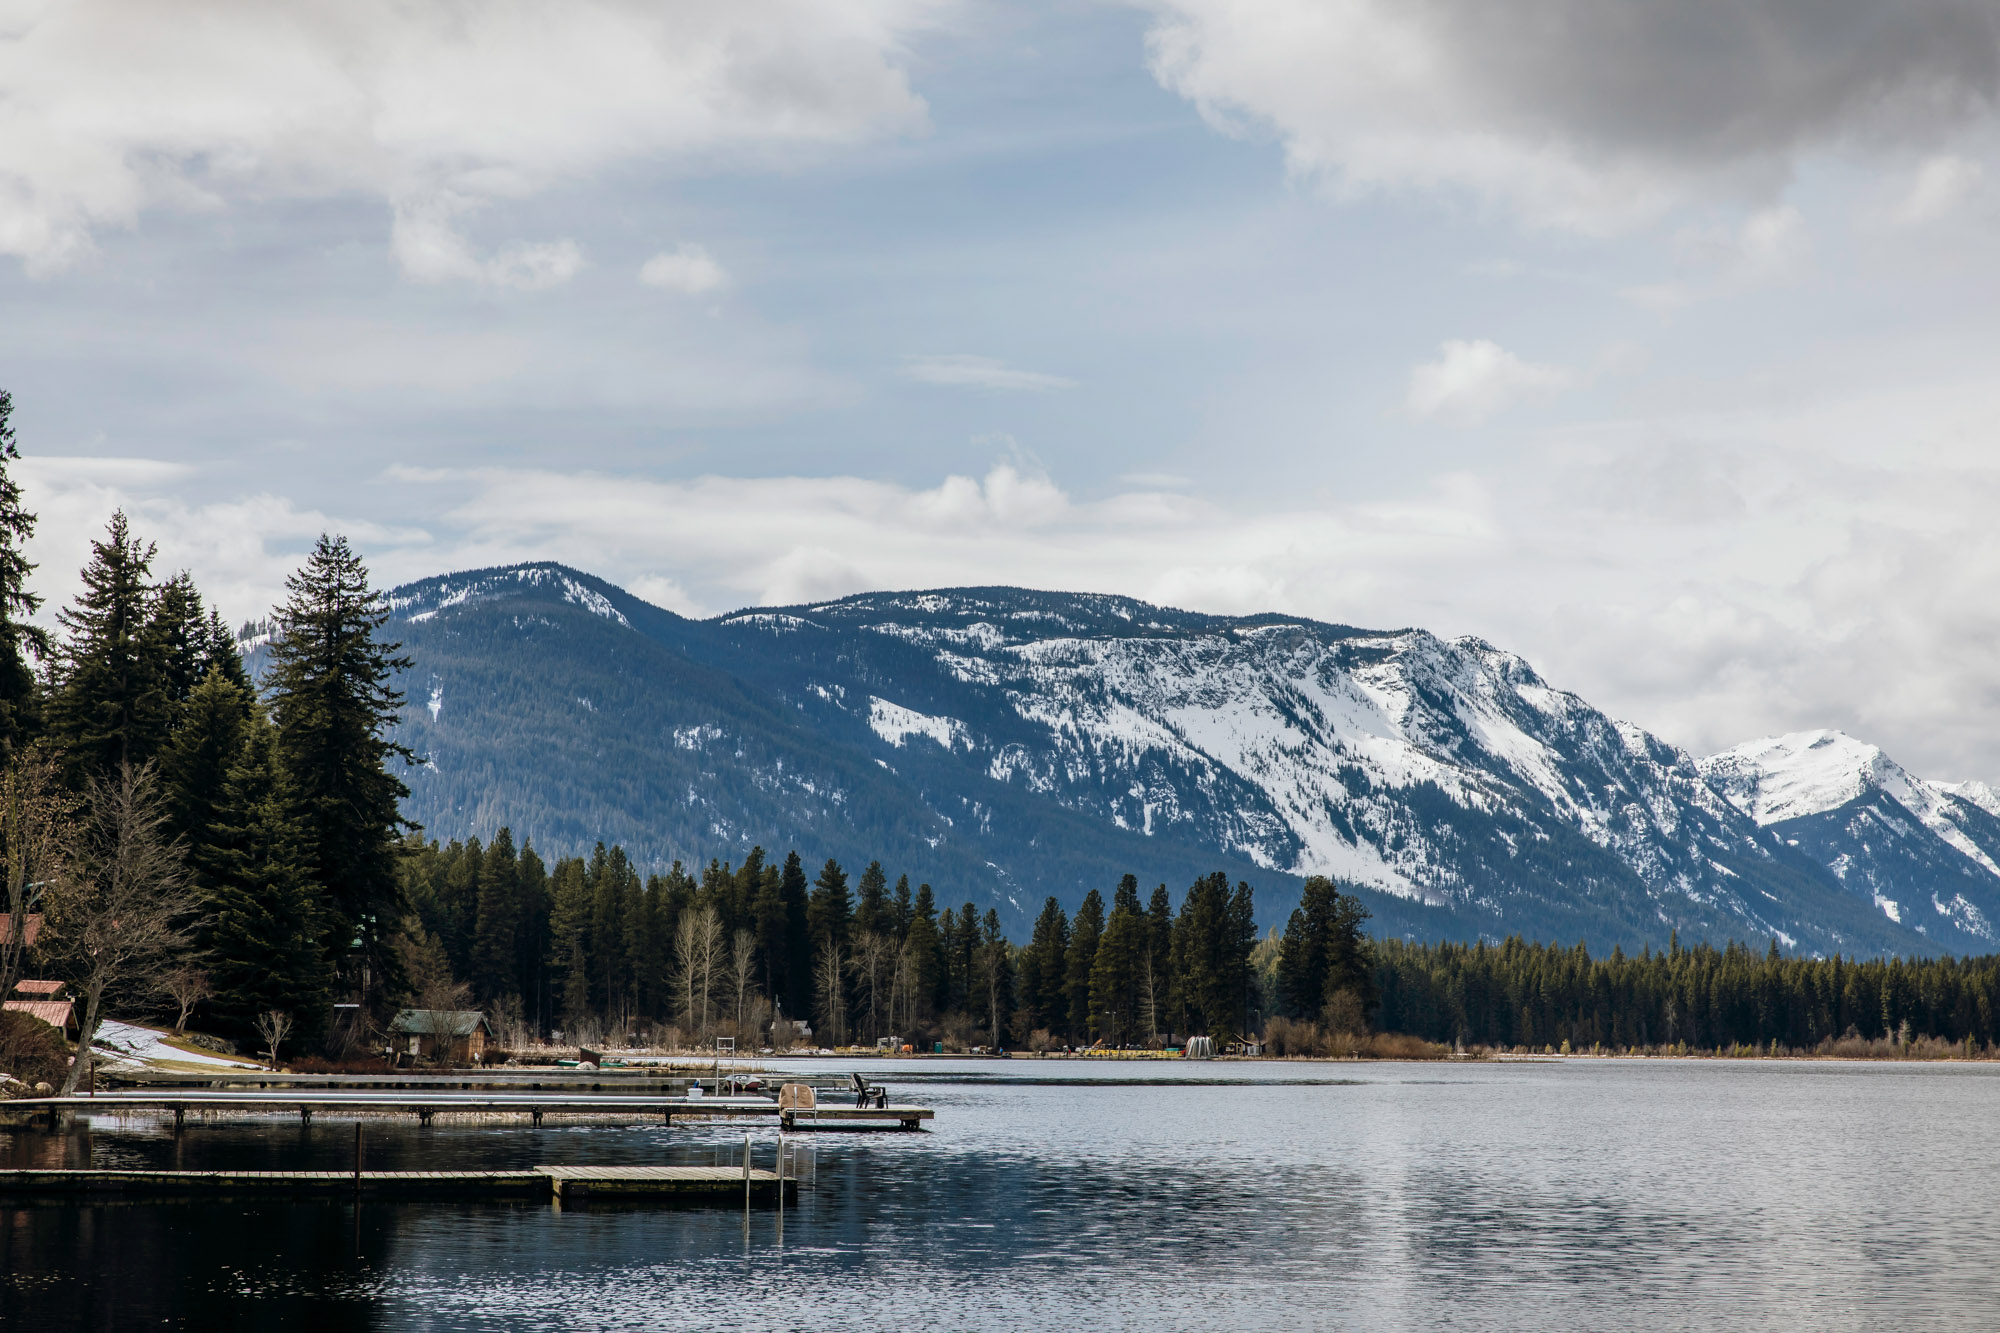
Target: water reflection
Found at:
1606, 1194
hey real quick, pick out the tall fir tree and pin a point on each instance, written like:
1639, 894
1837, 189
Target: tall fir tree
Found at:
333, 698
21, 640
1119, 969
830, 911
926, 951
498, 920
109, 704
1085, 930
264, 936
195, 766
1044, 999
797, 995
871, 901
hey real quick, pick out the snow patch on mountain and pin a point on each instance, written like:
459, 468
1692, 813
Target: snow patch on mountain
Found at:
895, 724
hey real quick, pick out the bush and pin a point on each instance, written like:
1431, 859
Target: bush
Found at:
31, 1051
320, 1064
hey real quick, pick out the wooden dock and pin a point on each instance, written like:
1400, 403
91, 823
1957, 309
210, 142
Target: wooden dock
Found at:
536, 1184
426, 1106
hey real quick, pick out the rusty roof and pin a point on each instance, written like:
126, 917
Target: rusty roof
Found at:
38, 987
29, 932
56, 1013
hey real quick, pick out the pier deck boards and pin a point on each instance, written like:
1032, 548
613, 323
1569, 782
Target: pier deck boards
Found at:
425, 1106
535, 1183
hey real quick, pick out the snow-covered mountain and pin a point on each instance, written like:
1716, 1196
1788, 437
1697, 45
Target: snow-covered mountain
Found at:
1927, 854
1008, 744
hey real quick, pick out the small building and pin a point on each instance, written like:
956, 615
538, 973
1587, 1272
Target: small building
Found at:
451, 1036
31, 928
44, 1000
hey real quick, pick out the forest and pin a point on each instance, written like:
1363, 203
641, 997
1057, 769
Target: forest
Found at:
234, 854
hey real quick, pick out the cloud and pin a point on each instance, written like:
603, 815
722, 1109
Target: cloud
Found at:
1474, 379
115, 107
1572, 113
430, 249
980, 372
1769, 244
1939, 186
689, 269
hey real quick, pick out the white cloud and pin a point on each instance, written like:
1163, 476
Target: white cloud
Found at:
688, 269
1940, 185
1768, 245
431, 249
1572, 113
1474, 379
980, 372
113, 107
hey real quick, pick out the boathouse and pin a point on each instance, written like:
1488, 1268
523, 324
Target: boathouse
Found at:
453, 1036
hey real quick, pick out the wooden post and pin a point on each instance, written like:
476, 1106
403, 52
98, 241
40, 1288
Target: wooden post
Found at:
746, 1173
357, 1159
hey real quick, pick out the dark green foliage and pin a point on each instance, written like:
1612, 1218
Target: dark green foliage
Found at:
1044, 997
264, 935
1085, 930
830, 910
1118, 974
1521, 994
1324, 952
1210, 957
334, 704
20, 638
109, 704
195, 765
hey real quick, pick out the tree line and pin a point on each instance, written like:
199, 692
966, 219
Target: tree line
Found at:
1702, 998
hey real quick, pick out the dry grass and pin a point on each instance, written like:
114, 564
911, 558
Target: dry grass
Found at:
1287, 1038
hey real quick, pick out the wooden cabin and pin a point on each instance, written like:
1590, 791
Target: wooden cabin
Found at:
449, 1036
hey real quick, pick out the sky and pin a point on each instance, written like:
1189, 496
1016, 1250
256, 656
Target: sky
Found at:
1655, 343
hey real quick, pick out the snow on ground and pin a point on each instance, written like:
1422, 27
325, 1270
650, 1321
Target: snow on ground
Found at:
148, 1046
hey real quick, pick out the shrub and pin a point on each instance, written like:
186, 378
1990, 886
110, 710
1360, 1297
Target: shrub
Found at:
31, 1051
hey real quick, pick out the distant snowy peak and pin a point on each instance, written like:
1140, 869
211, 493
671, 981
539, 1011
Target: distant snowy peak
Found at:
418, 602
1805, 773
1802, 773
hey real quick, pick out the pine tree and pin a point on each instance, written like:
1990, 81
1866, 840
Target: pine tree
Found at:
498, 920
195, 767
829, 912
1118, 970
218, 651
1085, 930
798, 984
109, 705
926, 953
569, 940
334, 702
20, 638
264, 934
1044, 998
177, 639
531, 939
871, 903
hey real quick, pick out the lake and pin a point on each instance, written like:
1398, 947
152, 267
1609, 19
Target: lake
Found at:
1580, 1194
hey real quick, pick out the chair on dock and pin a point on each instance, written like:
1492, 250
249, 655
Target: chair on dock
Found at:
869, 1094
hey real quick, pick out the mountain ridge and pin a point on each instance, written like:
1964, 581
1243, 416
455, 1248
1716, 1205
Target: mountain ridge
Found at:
1008, 743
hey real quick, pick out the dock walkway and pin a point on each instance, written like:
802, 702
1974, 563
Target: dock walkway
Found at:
539, 1183
427, 1105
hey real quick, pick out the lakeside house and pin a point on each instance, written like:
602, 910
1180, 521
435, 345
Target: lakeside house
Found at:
453, 1036
44, 1000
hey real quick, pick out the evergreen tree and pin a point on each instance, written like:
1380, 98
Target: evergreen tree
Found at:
872, 911
797, 992
20, 638
264, 934
109, 705
456, 919
829, 912
900, 909
218, 652
177, 639
1085, 930
334, 702
1044, 999
1212, 940
1118, 971
195, 766
569, 939
498, 920
925, 950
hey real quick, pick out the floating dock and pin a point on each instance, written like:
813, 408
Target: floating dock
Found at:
425, 1106
536, 1184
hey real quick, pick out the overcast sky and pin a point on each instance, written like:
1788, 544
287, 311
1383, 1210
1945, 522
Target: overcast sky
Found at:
1654, 342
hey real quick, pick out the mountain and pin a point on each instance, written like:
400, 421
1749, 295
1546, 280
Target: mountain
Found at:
1005, 744
1926, 854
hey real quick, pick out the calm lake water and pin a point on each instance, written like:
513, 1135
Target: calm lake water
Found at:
1577, 1195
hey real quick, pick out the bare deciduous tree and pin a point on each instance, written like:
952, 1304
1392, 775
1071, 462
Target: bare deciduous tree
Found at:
742, 969
187, 986
35, 812
829, 981
115, 915
697, 959
274, 1025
